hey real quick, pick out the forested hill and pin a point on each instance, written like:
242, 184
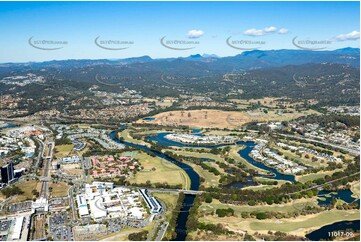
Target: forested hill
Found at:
328, 76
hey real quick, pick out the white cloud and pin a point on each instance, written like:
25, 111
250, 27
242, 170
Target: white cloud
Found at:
260, 32
270, 29
283, 31
254, 32
354, 35
194, 34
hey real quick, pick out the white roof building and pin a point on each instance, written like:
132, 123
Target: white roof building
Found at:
40, 204
96, 211
136, 213
82, 206
18, 227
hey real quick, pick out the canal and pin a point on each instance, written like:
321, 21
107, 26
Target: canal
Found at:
244, 153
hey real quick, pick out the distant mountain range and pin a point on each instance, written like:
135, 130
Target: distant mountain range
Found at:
247, 60
329, 76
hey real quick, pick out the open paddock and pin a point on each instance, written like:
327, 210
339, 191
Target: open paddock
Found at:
159, 170
209, 118
63, 150
59, 189
27, 187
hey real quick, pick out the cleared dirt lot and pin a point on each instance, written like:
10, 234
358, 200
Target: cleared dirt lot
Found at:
72, 169
209, 118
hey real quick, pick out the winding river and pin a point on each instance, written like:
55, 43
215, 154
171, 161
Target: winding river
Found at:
244, 153
181, 228
194, 177
195, 180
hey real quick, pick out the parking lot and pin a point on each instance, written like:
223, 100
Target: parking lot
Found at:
63, 233
58, 228
58, 219
115, 225
4, 229
4, 226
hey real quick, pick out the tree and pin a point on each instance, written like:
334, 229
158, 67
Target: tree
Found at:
140, 236
11, 191
208, 198
261, 216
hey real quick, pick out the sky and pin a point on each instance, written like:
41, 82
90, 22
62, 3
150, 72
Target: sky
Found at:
40, 31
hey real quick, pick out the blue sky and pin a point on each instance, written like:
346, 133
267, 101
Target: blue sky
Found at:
145, 23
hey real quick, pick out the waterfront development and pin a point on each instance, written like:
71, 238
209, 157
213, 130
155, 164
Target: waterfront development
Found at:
207, 128
238, 159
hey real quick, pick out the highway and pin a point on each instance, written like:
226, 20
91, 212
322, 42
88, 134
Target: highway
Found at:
44, 191
41, 152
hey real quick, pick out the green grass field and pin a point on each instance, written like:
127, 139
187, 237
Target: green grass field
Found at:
312, 221
264, 187
63, 150
127, 137
296, 205
300, 225
159, 170
211, 180
314, 176
198, 155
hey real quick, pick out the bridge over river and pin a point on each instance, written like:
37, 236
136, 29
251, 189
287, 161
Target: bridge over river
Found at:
190, 192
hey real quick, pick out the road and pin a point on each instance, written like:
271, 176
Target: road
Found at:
329, 182
351, 151
191, 192
44, 191
41, 152
162, 231
70, 192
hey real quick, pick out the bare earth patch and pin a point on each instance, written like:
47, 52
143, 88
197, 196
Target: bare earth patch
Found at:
209, 118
